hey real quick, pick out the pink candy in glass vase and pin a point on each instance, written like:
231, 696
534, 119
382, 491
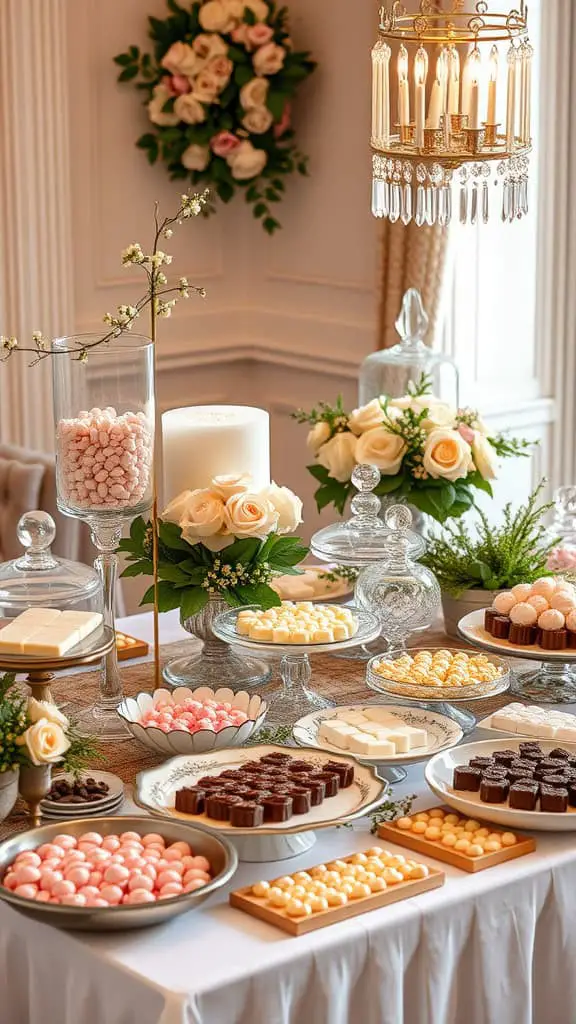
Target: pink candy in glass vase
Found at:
104, 423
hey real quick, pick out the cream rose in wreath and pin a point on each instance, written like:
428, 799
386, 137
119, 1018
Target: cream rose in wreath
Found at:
427, 451
218, 92
226, 539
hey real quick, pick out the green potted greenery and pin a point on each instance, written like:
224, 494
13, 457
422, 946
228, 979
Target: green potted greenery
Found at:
472, 565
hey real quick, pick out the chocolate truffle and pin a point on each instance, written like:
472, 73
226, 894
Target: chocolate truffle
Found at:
522, 636
548, 764
523, 796
190, 800
494, 791
489, 615
301, 799
467, 778
482, 762
330, 780
553, 639
553, 800
500, 627
559, 754
556, 781
246, 814
218, 805
277, 808
505, 756
209, 782
572, 794
520, 774
344, 771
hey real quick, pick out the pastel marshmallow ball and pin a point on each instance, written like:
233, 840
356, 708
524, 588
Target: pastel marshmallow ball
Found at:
50, 850
193, 884
504, 602
27, 873
139, 881
552, 619
78, 874
111, 893
75, 899
562, 602
48, 878
523, 614
42, 896
202, 863
63, 888
116, 874
152, 838
91, 837
522, 591
139, 896
28, 857
171, 889
28, 891
167, 878
539, 603
545, 587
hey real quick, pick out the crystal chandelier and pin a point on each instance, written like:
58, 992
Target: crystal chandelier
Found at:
450, 111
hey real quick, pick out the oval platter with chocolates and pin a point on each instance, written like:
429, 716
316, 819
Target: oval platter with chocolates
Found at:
518, 782
261, 790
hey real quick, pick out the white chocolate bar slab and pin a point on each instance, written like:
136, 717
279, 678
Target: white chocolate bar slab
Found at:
46, 632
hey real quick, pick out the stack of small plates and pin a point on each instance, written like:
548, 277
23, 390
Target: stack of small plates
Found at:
106, 806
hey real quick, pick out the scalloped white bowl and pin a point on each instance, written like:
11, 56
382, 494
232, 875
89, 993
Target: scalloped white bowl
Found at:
176, 742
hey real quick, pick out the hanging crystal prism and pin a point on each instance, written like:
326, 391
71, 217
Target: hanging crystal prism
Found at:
406, 215
474, 205
420, 206
485, 203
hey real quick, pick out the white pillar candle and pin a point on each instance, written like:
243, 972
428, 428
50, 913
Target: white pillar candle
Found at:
511, 98
492, 86
205, 441
403, 90
438, 97
471, 87
420, 73
453, 81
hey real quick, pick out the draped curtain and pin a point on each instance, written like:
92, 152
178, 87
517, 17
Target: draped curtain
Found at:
411, 257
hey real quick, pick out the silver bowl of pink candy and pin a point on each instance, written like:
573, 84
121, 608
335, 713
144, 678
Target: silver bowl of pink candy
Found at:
185, 721
125, 873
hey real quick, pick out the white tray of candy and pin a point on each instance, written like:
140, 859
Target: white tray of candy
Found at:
530, 720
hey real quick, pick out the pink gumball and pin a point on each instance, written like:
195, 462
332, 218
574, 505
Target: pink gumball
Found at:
42, 896
111, 843
111, 893
163, 864
28, 891
48, 878
79, 874
87, 847
65, 841
9, 881
98, 856
182, 848
139, 881
193, 884
127, 837
187, 862
177, 866
28, 857
27, 873
91, 837
149, 870
194, 874
201, 863
73, 900
50, 850
63, 888
96, 901
171, 889
53, 863
89, 891
95, 878
116, 874
151, 856
74, 857
139, 896
168, 878
134, 863
173, 854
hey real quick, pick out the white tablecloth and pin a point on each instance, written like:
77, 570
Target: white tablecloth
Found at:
498, 947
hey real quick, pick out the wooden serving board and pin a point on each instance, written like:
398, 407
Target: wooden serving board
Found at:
136, 649
433, 848
243, 899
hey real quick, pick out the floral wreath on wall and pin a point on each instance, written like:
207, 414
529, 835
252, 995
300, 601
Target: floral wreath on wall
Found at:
218, 90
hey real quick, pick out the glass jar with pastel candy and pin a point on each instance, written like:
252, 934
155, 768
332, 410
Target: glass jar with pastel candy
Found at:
104, 423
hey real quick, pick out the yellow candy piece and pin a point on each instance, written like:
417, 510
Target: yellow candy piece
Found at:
378, 885
419, 871
360, 891
404, 823
318, 903
508, 839
278, 898
261, 889
334, 898
295, 908
285, 882
419, 827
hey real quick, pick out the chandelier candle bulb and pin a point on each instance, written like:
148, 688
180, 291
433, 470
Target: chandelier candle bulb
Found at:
403, 90
475, 68
511, 97
420, 73
207, 441
453, 81
437, 98
492, 86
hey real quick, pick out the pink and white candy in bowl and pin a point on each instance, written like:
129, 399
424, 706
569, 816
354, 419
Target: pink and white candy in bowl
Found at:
185, 721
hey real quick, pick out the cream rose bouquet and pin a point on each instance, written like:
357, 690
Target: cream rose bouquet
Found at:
428, 452
35, 732
218, 91
227, 540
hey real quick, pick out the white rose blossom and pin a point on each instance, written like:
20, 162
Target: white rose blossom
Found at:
230, 484
181, 60
288, 506
203, 520
214, 17
318, 436
381, 448
338, 455
209, 45
38, 709
269, 59
258, 120
254, 93
251, 515
196, 158
175, 509
160, 97
46, 742
440, 414
484, 456
207, 87
246, 161
447, 455
189, 109
366, 417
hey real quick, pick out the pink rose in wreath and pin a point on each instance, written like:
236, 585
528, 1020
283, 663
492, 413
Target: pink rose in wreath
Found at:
178, 85
224, 143
259, 35
284, 122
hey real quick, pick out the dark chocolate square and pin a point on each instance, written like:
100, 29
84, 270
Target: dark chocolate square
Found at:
553, 800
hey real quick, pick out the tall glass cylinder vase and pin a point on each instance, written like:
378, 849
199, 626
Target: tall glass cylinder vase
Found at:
104, 419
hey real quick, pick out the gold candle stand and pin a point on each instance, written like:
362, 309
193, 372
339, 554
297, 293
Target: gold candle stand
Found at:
490, 134
473, 139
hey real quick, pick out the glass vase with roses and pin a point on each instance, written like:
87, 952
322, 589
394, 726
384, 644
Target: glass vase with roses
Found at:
218, 547
429, 453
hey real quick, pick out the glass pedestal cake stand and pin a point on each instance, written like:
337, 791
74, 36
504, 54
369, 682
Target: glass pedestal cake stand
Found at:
296, 698
40, 671
553, 681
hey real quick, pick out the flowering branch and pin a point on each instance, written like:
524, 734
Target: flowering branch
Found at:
155, 297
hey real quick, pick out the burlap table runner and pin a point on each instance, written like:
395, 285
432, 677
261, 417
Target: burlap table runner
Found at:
340, 679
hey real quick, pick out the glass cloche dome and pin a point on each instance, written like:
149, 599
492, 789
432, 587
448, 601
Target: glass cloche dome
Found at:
38, 579
391, 370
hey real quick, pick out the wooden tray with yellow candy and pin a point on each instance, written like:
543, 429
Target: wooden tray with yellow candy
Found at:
128, 647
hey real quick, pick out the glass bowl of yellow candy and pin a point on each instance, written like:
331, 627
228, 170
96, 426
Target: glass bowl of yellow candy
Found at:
441, 673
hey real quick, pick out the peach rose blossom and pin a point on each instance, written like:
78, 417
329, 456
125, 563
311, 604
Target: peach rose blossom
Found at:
254, 93
180, 60
484, 456
230, 484
224, 143
214, 16
447, 455
222, 69
338, 455
259, 35
381, 448
189, 109
156, 113
317, 436
250, 515
208, 45
246, 161
258, 120
203, 521
196, 158
269, 59
206, 87
46, 742
288, 506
